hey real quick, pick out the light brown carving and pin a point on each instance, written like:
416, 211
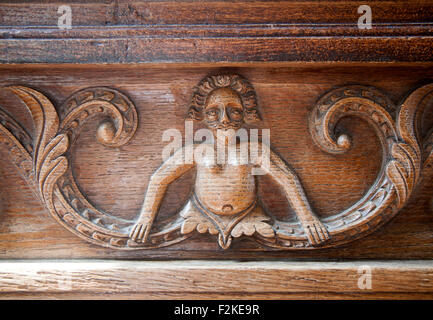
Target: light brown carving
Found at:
224, 200
224, 203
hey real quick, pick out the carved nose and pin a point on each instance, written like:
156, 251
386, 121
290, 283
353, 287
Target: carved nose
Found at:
224, 117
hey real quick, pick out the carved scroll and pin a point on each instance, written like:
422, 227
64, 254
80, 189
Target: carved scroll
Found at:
44, 164
42, 159
402, 156
402, 162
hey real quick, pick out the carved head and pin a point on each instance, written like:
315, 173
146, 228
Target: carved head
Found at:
224, 102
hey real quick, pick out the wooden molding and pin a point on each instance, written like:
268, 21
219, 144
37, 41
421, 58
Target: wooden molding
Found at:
211, 31
214, 279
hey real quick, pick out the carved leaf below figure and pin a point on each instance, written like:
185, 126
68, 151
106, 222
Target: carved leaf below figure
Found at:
255, 222
194, 220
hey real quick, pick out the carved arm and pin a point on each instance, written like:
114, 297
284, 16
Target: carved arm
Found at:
284, 175
170, 170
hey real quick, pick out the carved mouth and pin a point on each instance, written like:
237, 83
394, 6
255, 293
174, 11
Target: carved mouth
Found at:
224, 127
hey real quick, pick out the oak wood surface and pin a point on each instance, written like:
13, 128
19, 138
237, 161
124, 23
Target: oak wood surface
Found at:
213, 280
286, 95
212, 31
293, 52
142, 12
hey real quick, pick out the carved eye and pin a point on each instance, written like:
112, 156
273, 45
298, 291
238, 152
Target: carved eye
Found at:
212, 113
236, 113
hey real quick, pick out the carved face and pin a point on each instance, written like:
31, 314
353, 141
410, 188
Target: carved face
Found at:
224, 110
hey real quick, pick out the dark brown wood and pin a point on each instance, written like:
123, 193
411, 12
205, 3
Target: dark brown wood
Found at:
212, 31
218, 50
146, 57
286, 96
111, 12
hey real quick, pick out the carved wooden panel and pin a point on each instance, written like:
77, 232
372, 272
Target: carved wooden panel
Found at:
350, 148
237, 137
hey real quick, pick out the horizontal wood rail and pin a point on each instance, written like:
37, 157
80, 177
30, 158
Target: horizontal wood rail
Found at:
214, 279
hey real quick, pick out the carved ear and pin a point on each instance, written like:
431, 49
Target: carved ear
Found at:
194, 114
251, 115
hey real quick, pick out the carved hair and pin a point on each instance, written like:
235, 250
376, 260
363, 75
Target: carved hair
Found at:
233, 81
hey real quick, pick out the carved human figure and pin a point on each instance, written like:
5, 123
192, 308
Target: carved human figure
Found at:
225, 191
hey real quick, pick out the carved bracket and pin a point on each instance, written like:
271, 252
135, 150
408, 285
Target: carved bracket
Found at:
42, 159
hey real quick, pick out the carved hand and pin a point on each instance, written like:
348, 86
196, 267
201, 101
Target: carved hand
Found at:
315, 230
140, 231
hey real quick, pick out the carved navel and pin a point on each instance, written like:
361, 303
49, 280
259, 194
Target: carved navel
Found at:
227, 208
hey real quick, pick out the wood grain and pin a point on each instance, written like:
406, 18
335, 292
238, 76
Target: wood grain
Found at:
142, 12
155, 52
214, 279
286, 95
212, 31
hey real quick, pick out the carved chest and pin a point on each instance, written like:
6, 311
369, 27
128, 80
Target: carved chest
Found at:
245, 150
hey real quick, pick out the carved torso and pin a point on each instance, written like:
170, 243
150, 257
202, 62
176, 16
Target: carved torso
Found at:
225, 185
225, 189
